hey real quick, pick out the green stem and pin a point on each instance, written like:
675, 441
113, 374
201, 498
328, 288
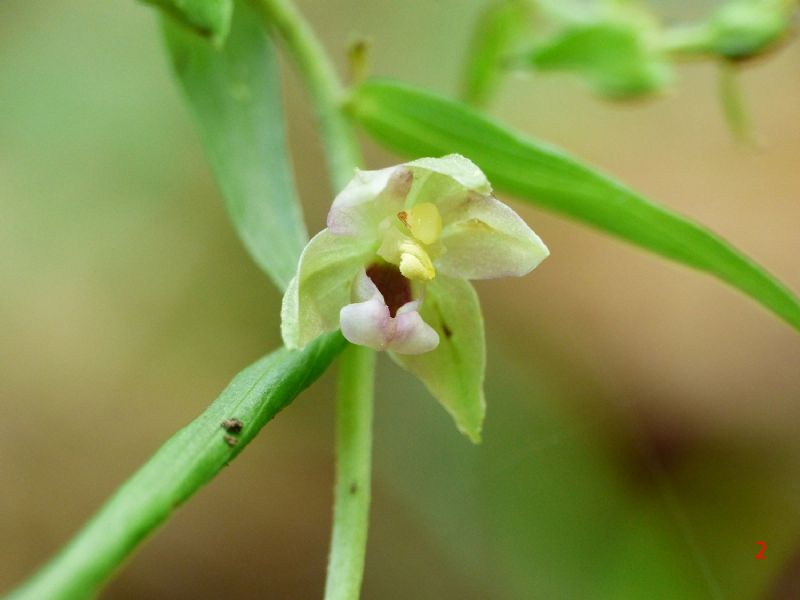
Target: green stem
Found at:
189, 459
357, 367
341, 147
352, 489
733, 104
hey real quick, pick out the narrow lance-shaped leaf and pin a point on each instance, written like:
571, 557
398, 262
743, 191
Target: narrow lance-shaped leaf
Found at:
208, 18
418, 123
188, 460
235, 97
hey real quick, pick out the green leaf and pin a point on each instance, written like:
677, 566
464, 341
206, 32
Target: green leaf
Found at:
417, 123
234, 94
187, 461
208, 18
454, 371
499, 27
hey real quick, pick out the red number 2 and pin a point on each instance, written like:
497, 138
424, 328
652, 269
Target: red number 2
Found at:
760, 554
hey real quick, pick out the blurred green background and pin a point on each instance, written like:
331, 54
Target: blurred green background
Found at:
641, 434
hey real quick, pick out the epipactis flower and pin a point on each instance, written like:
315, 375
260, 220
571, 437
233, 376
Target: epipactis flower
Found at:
392, 268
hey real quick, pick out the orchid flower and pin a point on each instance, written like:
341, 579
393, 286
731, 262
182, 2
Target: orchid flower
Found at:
392, 268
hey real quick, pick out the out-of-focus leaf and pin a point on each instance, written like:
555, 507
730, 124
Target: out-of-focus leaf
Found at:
498, 27
566, 500
417, 123
454, 371
613, 57
208, 18
566, 11
234, 95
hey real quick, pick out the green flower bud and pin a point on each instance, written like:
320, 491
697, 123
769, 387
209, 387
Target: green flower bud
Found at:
744, 29
615, 57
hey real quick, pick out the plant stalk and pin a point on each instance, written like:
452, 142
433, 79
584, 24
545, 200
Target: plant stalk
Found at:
353, 463
324, 87
357, 365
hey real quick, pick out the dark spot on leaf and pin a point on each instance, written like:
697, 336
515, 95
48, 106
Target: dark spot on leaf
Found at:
353, 488
230, 440
395, 288
232, 425
446, 330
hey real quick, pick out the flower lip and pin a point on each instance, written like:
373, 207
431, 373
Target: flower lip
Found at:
367, 321
395, 288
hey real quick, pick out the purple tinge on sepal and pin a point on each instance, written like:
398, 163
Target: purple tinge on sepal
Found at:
347, 213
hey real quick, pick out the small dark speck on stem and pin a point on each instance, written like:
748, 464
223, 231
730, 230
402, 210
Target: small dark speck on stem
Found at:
230, 440
232, 425
447, 333
353, 488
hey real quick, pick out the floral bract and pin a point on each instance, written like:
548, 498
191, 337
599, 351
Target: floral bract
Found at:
391, 271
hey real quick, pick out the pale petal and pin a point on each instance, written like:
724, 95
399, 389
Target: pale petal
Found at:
367, 323
365, 289
457, 168
444, 182
410, 307
483, 239
322, 286
412, 335
367, 199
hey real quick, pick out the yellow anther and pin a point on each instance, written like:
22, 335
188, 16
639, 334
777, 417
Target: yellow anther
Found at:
424, 221
415, 263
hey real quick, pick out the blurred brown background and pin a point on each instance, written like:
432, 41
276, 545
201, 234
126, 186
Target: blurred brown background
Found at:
642, 425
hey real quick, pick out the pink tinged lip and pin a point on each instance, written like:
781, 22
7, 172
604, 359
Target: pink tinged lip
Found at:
370, 322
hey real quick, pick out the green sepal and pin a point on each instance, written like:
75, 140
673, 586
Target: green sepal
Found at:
323, 285
454, 371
